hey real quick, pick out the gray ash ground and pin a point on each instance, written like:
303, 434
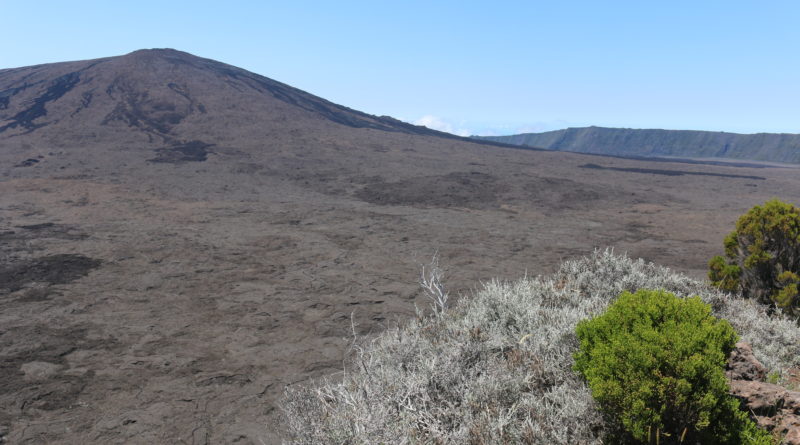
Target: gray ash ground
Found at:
196, 291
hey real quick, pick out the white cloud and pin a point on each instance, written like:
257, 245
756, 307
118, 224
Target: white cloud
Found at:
468, 128
542, 126
437, 123
534, 127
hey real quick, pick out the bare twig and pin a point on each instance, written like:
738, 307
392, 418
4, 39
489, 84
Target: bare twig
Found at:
430, 280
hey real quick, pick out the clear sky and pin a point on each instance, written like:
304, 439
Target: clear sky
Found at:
496, 67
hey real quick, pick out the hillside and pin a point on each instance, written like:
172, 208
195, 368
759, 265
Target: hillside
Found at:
663, 143
180, 239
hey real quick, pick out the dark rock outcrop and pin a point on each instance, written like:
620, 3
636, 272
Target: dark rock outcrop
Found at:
772, 406
743, 365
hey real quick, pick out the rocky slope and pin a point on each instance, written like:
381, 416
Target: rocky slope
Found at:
663, 143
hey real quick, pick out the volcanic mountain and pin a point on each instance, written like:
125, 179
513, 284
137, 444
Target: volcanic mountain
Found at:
180, 239
164, 99
629, 142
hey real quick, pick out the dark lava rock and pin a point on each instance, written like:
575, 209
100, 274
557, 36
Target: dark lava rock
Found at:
52, 269
772, 406
743, 365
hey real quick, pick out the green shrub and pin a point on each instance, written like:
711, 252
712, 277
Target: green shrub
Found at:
763, 256
655, 365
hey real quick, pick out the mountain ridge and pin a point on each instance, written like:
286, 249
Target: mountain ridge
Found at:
768, 147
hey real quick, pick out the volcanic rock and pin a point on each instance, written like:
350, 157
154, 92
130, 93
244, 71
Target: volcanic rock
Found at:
772, 406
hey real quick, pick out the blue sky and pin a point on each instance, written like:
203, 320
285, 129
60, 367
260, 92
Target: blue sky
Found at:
468, 67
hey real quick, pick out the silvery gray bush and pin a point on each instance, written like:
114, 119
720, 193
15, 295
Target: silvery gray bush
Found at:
497, 367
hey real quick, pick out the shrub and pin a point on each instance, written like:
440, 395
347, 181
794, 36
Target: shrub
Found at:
496, 367
763, 256
655, 365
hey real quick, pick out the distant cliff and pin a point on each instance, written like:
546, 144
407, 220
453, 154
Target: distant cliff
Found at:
659, 143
